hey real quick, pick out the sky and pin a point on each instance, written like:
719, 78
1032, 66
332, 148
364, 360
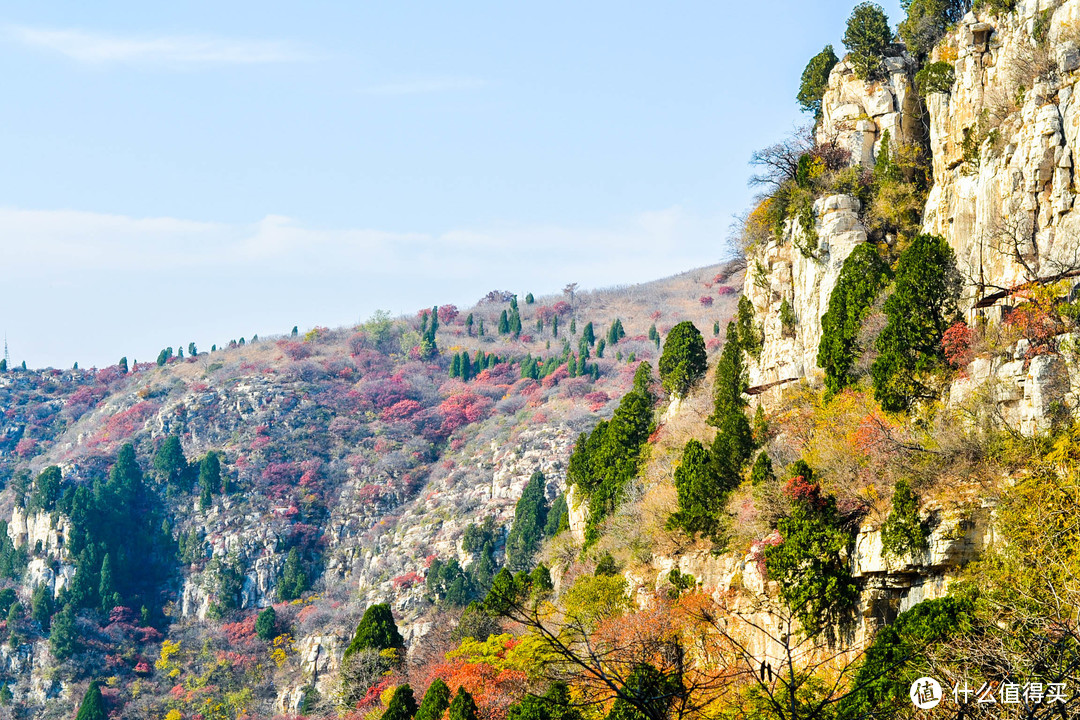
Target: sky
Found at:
201, 171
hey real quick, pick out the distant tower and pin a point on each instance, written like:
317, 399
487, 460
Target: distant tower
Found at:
7, 358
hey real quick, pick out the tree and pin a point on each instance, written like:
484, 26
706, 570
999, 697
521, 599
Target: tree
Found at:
63, 638
469, 325
294, 581
164, 356
734, 440
463, 707
867, 38
555, 704
105, 585
588, 334
504, 323
171, 464
92, 706
683, 361
815, 80
402, 705
922, 307
530, 517
41, 606
529, 299
927, 22
903, 532
266, 624
192, 351
862, 277
555, 326
436, 701
123, 365
210, 474
376, 631
701, 497
651, 695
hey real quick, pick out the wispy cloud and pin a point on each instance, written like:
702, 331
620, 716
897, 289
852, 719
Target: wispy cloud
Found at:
425, 85
178, 50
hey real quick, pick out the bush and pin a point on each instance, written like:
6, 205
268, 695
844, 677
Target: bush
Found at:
936, 77
922, 307
867, 38
903, 532
683, 361
815, 79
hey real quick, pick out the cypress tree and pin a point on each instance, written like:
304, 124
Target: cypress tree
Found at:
266, 624
467, 372
105, 585
210, 473
455, 366
92, 706
573, 326
683, 362
701, 498
504, 323
402, 705
122, 365
294, 580
436, 701
555, 326
469, 325
481, 332
63, 638
377, 630
41, 606
463, 707
588, 335
170, 463
515, 323
530, 517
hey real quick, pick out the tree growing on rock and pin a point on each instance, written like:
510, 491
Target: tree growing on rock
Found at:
530, 517
867, 37
701, 497
815, 79
683, 361
376, 631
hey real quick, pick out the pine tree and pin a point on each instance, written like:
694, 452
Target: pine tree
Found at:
206, 500
504, 323
41, 606
210, 473
377, 630
402, 705
469, 325
463, 707
529, 299
867, 37
92, 706
467, 372
481, 332
701, 498
683, 362
573, 326
266, 624
63, 638
762, 471
530, 517
436, 701
588, 334
294, 580
815, 80
170, 463
515, 322
555, 326
122, 365
455, 367
105, 585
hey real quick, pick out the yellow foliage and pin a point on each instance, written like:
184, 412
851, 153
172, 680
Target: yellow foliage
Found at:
388, 693
280, 649
174, 714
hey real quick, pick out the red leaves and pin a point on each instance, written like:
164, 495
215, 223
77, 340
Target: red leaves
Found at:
447, 313
956, 344
799, 489
399, 411
295, 350
705, 300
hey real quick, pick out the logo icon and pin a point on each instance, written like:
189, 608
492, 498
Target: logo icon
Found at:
926, 693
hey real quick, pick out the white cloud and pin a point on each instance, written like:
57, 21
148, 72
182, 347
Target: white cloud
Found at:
424, 86
100, 49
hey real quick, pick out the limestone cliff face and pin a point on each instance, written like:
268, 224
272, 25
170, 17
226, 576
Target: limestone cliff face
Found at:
782, 271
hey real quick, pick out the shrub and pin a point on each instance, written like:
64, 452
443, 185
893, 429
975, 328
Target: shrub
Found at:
683, 361
266, 624
903, 532
867, 37
936, 77
815, 79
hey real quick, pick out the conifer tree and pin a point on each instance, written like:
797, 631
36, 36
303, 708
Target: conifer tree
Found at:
105, 585
463, 707
436, 701
515, 322
504, 323
377, 631
867, 37
455, 367
701, 498
63, 637
92, 706
683, 362
815, 80
41, 606
294, 580
481, 330
210, 473
530, 517
266, 624
588, 334
469, 325
467, 372
402, 705
122, 365
170, 463
555, 326
573, 326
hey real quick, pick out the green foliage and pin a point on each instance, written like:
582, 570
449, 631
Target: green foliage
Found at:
530, 518
926, 23
226, 582
898, 655
615, 332
997, 7
46, 491
266, 624
815, 79
41, 606
123, 365
529, 299
683, 362
648, 693
809, 566
63, 637
558, 517
164, 356
448, 584
402, 705
6, 696
92, 706
209, 479
463, 707
702, 495
788, 320
294, 579
734, 441
862, 277
605, 460
748, 335
903, 533
922, 307
376, 631
436, 701
762, 471
936, 77
606, 566
555, 704
867, 37
588, 334
171, 465
504, 323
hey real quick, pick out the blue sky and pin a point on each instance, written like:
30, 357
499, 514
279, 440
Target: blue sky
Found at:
204, 171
